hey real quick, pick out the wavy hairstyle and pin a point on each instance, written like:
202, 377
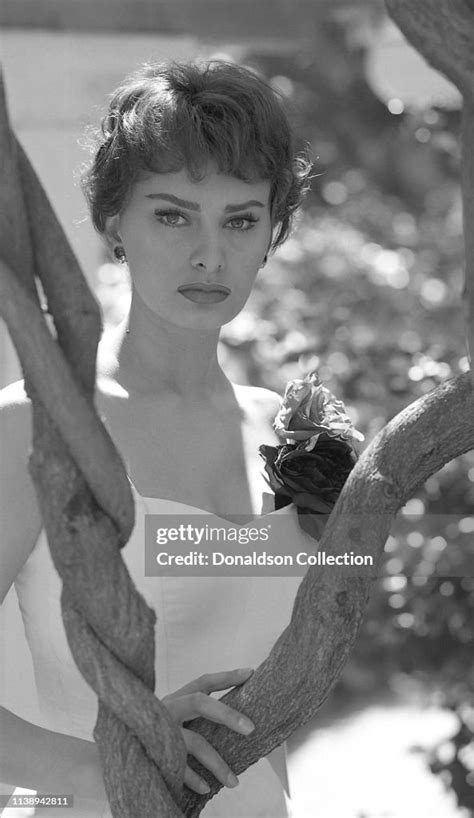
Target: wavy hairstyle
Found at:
171, 115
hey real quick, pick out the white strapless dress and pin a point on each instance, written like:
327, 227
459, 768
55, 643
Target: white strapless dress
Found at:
204, 625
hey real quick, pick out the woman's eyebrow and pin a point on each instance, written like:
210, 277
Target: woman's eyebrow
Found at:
231, 208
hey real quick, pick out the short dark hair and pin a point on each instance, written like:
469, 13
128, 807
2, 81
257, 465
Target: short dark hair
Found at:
171, 115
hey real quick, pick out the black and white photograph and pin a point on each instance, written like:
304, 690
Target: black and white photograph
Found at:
236, 409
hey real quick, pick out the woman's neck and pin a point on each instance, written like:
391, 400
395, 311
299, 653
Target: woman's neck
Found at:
149, 357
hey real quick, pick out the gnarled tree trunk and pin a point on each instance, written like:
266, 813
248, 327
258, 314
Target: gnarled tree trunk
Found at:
88, 511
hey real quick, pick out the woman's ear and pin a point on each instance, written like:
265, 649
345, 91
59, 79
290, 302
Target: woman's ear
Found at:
112, 231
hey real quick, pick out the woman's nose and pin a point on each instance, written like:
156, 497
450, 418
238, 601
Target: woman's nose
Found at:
208, 256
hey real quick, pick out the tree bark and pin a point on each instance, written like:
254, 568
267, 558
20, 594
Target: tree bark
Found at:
88, 513
289, 687
87, 506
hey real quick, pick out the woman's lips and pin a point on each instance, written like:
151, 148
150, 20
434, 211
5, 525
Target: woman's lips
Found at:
204, 293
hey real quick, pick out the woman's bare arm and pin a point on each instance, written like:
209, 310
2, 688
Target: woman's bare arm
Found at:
48, 762
20, 519
31, 756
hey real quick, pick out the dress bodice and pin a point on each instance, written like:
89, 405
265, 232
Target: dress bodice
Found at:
204, 625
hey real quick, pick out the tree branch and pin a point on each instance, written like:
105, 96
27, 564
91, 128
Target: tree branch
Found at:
103, 614
290, 686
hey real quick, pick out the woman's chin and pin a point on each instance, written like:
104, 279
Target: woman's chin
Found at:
204, 315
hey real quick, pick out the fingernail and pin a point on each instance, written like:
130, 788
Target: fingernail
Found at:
232, 780
246, 726
203, 787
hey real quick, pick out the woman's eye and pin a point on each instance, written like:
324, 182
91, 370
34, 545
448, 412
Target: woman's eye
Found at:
243, 222
170, 218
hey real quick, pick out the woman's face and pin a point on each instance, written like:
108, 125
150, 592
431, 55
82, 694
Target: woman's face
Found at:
178, 232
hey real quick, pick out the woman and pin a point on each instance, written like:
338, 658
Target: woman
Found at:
194, 181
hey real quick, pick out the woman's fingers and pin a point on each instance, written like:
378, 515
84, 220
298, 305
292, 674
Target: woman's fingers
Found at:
221, 713
195, 782
199, 704
192, 701
210, 682
203, 752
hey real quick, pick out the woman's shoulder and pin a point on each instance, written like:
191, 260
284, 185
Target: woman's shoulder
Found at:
259, 398
19, 512
250, 398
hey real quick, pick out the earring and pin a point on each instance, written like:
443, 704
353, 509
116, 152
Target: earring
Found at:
119, 254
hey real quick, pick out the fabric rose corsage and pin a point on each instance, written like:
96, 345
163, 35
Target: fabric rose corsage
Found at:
312, 465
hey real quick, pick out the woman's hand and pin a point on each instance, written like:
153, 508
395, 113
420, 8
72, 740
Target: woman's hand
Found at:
192, 701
